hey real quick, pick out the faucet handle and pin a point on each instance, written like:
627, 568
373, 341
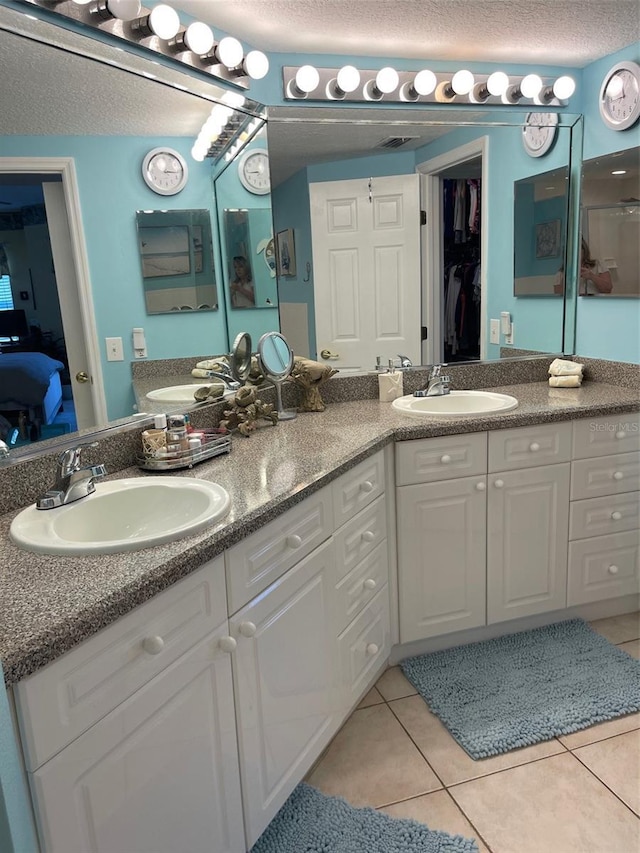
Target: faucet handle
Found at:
70, 460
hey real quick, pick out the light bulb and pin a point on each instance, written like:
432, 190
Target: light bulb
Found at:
498, 83
256, 64
462, 82
124, 10
564, 87
530, 86
198, 37
229, 52
424, 82
307, 79
234, 100
348, 79
387, 80
164, 22
199, 152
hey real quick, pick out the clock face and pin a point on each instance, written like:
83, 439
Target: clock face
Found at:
620, 96
253, 171
165, 171
538, 133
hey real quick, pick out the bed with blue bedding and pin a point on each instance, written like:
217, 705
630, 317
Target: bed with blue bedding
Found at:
30, 382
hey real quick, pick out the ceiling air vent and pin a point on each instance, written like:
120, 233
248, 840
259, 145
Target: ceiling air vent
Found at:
395, 141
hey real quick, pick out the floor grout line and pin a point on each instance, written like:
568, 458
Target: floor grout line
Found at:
604, 784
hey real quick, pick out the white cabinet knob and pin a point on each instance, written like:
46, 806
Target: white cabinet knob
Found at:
369, 584
613, 570
227, 644
499, 484
368, 536
372, 649
153, 645
534, 447
620, 435
480, 487
247, 629
294, 541
445, 459
616, 516
618, 475
367, 486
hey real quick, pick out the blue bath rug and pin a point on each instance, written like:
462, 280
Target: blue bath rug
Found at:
310, 822
520, 689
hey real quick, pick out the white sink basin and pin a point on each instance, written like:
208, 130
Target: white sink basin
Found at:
455, 404
123, 515
179, 393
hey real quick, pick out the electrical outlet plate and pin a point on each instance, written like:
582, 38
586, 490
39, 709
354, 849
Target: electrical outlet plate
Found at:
508, 339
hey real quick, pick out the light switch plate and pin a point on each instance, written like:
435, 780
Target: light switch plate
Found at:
115, 351
494, 334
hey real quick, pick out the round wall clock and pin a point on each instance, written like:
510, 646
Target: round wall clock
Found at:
538, 133
165, 171
253, 171
620, 95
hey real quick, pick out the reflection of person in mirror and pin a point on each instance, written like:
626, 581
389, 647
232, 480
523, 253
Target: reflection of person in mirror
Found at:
594, 278
242, 291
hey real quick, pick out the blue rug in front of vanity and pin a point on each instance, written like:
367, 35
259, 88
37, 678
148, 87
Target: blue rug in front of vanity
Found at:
520, 689
311, 822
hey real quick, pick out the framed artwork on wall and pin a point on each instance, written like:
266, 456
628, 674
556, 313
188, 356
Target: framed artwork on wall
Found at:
548, 239
286, 252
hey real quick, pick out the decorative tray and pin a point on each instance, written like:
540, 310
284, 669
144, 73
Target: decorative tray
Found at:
186, 458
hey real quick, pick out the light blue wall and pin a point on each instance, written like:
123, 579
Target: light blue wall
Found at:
111, 191
607, 327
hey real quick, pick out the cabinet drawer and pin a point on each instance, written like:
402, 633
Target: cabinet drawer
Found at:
605, 475
600, 516
357, 488
265, 555
364, 646
358, 537
430, 459
604, 567
604, 436
528, 447
65, 698
361, 585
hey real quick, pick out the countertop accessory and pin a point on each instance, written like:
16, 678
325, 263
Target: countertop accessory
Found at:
619, 99
565, 374
309, 375
275, 358
247, 411
215, 444
240, 358
390, 384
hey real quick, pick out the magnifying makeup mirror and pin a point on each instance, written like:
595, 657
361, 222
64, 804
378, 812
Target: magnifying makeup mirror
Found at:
240, 361
275, 358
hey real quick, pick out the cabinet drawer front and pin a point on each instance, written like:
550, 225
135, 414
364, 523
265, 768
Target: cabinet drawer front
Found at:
604, 567
604, 436
605, 475
528, 447
265, 555
600, 516
65, 698
360, 536
358, 488
446, 458
364, 646
361, 584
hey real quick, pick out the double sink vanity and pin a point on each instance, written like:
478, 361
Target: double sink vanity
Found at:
172, 697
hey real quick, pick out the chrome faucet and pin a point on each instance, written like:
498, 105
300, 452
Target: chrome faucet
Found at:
437, 384
73, 481
405, 362
227, 378
4, 450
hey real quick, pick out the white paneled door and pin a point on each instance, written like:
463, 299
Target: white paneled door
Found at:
366, 256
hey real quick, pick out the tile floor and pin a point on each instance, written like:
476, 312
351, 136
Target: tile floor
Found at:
578, 793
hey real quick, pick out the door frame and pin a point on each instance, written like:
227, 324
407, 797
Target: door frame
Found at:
65, 168
433, 244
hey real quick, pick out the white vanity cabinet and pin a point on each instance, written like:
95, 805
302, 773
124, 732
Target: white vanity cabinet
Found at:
159, 771
604, 546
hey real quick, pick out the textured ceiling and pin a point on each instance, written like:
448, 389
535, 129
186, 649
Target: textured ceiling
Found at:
553, 32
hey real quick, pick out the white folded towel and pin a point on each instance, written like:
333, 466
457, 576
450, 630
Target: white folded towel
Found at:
563, 367
565, 381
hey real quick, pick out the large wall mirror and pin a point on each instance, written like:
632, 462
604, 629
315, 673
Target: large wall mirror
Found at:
78, 118
479, 154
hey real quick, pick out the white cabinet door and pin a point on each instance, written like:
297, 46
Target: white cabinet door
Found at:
527, 535
158, 774
286, 684
441, 557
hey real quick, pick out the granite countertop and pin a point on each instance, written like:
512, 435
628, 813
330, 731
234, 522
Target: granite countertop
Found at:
50, 603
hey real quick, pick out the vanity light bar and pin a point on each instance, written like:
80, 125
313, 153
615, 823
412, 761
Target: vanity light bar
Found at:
159, 30
423, 86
